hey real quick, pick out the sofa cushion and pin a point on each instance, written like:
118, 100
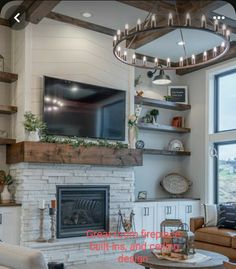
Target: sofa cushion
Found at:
227, 216
214, 235
211, 215
234, 242
3, 267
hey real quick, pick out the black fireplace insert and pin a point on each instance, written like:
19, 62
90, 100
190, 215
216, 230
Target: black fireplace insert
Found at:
81, 208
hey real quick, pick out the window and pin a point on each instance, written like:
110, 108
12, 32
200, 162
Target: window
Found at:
225, 101
225, 169
224, 136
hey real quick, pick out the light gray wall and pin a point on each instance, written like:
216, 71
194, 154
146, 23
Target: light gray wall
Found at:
148, 177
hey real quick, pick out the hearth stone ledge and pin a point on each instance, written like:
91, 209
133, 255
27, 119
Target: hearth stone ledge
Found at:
37, 182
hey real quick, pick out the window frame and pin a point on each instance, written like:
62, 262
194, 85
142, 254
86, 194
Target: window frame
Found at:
216, 168
216, 100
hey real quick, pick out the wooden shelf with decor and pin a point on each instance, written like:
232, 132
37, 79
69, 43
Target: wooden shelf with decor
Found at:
7, 109
7, 141
166, 152
163, 128
139, 100
8, 77
38, 152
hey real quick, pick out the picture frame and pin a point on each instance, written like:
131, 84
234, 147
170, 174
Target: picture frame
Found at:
142, 195
178, 94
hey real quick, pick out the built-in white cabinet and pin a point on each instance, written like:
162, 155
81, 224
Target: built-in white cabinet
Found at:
10, 224
145, 218
149, 215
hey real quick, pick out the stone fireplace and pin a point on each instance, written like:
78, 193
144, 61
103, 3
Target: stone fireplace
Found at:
38, 182
82, 208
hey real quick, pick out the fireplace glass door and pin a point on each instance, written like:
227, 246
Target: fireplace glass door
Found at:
82, 208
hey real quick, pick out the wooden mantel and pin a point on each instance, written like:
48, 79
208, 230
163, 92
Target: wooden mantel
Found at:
37, 152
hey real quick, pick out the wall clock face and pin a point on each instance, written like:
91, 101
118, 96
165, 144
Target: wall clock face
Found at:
139, 144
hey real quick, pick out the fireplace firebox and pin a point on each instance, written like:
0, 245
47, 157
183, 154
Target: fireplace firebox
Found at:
82, 208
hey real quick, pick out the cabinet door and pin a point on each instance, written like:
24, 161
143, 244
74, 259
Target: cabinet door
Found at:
145, 216
10, 225
188, 209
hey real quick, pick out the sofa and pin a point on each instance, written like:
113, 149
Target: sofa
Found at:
216, 239
16, 257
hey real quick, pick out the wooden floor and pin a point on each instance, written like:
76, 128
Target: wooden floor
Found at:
108, 265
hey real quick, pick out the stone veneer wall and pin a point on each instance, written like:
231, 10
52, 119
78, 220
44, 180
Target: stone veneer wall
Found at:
38, 182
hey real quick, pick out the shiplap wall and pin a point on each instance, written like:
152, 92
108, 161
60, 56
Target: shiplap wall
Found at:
5, 88
73, 53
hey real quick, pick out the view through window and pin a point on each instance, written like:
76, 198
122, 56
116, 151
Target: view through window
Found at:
225, 121
226, 173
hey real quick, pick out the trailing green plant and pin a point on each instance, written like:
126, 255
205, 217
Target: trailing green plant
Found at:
78, 142
168, 98
5, 179
137, 81
33, 123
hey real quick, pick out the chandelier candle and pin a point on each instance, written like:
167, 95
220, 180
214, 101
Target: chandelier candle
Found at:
170, 20
153, 21
203, 21
126, 29
188, 19
151, 25
138, 25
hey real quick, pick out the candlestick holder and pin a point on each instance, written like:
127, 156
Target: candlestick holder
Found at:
52, 214
41, 226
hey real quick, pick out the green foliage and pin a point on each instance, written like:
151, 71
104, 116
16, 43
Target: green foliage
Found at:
77, 142
137, 81
33, 123
5, 179
168, 98
154, 112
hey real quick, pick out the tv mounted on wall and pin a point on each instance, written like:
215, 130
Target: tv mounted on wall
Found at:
83, 110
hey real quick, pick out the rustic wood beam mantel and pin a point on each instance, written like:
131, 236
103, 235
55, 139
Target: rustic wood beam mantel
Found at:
229, 55
80, 23
37, 152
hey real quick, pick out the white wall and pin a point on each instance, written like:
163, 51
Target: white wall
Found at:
197, 166
148, 177
5, 88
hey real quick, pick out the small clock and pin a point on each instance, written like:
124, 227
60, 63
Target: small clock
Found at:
139, 144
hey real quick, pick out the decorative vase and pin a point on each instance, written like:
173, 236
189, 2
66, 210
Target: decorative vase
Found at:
154, 120
12, 190
32, 136
132, 137
5, 196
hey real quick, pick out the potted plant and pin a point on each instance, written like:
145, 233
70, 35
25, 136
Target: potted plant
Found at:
154, 113
5, 181
33, 126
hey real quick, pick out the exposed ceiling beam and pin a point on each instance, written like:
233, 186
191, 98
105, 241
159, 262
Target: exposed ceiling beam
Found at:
229, 55
40, 9
195, 8
80, 23
34, 11
4, 22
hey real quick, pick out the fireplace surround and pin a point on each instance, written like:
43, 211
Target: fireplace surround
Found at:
82, 208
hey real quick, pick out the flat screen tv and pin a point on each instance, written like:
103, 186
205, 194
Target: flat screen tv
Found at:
83, 110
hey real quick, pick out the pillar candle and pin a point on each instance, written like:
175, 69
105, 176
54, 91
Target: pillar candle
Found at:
42, 204
53, 203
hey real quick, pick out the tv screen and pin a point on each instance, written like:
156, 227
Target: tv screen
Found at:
83, 110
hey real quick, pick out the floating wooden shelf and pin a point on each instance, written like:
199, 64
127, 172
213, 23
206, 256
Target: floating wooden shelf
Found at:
166, 152
37, 152
8, 109
7, 141
8, 77
163, 128
160, 103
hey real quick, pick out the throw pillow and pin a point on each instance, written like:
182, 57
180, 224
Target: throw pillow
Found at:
227, 216
210, 215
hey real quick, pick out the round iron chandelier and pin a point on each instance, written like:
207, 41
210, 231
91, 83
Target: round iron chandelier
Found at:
150, 25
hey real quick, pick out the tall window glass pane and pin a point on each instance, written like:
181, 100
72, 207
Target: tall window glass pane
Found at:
226, 173
226, 101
